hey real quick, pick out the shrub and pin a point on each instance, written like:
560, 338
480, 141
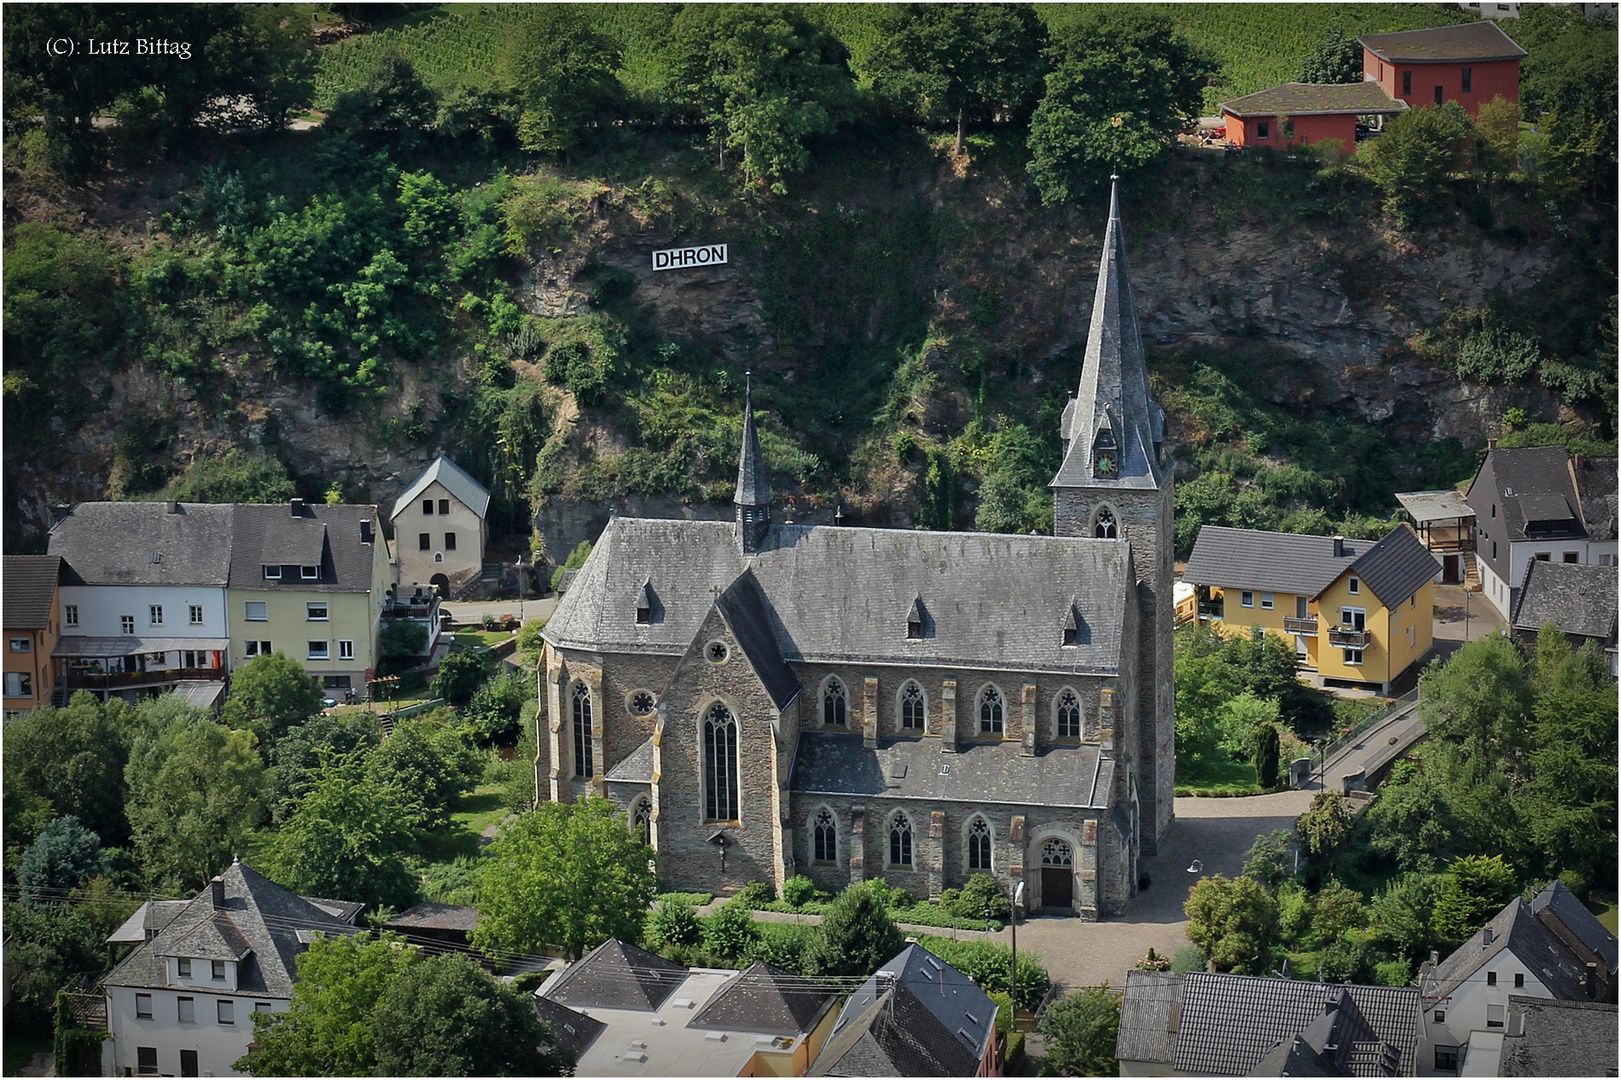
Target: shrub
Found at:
1188, 958
403, 637
900, 898
982, 894
798, 890
730, 932
785, 945
756, 893
673, 922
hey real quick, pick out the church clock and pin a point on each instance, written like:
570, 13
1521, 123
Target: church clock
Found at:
1106, 464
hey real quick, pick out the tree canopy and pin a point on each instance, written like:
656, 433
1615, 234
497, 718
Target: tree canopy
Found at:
1234, 921
857, 933
562, 71
1080, 1030
1336, 59
270, 694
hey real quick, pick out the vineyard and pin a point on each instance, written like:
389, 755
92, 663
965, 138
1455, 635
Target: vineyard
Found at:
1257, 45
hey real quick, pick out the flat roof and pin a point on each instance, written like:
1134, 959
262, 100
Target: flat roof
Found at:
1434, 505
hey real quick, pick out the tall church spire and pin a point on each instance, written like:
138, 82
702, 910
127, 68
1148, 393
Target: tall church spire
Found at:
1112, 431
753, 498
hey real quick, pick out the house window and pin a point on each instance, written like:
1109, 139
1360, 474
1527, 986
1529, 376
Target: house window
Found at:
70, 614
583, 765
126, 624
1072, 635
424, 541
143, 1006
1263, 129
187, 1010
1246, 598
641, 820
1266, 601
1571, 556
315, 611
261, 1006
146, 1060
188, 1063
1406, 82
720, 764
914, 708
1353, 587
450, 541
19, 684
1352, 656
1468, 79
642, 703
217, 970
1300, 607
1491, 978
1519, 980
1287, 131
196, 614
444, 506
183, 967
272, 573
1542, 556
979, 845
826, 839
833, 703
438, 556
900, 841
1494, 549
427, 507
1440, 1016
914, 629
309, 573
320, 650
250, 649
21, 644
1438, 95
1606, 560
255, 611
1446, 1059
1494, 1016
1069, 715
346, 650
227, 1011
990, 711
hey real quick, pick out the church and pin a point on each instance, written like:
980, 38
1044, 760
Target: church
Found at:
763, 700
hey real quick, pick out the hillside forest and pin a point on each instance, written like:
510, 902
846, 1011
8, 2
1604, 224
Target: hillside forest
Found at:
288, 267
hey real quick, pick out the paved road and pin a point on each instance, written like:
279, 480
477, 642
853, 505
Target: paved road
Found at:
471, 611
1372, 749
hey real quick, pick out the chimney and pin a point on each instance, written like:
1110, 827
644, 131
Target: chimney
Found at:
1491, 444
1576, 460
1339, 547
297, 507
1486, 936
365, 531
1590, 981
60, 511
172, 506
1435, 958
216, 889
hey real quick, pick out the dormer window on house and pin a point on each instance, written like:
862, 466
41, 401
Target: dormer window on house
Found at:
183, 966
644, 604
916, 620
272, 573
309, 573
1072, 627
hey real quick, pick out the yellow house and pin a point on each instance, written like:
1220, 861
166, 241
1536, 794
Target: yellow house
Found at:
309, 581
1358, 612
31, 629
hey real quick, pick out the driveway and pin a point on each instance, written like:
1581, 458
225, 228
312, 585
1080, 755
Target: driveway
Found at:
468, 612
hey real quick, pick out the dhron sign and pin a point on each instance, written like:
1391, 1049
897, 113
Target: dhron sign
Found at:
681, 258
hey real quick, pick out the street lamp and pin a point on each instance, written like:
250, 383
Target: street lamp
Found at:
1013, 967
518, 566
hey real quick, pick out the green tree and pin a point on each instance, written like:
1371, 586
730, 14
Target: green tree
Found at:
1270, 860
1234, 921
1014, 496
392, 99
1336, 59
1240, 720
1401, 914
326, 1030
51, 941
497, 708
958, 62
1080, 1030
72, 761
233, 476
346, 837
1474, 888
1410, 822
857, 933
63, 856
563, 72
1416, 159
673, 924
1565, 88
294, 764
194, 797
270, 694
565, 874
575, 560
1337, 911
730, 933
1266, 755
428, 765
1325, 825
403, 637
1123, 83
461, 673
62, 290
762, 79
444, 1016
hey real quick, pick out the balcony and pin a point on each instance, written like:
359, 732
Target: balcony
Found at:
413, 607
95, 680
1210, 609
1346, 637
1306, 627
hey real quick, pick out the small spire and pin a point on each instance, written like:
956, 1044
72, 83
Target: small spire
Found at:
753, 499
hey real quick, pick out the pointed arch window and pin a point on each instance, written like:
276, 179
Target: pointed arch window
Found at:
641, 820
900, 841
582, 731
834, 703
914, 708
1069, 715
979, 845
1106, 528
720, 764
990, 711
825, 837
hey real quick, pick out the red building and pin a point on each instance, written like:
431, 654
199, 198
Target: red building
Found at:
1469, 63
1305, 113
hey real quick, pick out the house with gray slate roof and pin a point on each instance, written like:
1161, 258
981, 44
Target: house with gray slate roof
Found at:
182, 1003
1580, 602
1551, 1038
440, 528
763, 700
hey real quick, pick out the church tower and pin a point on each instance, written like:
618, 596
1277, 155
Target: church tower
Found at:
1115, 483
753, 498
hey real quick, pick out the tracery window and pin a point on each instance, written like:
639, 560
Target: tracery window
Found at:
1069, 715
1106, 528
582, 731
900, 841
914, 708
834, 703
641, 820
826, 838
990, 711
979, 845
720, 764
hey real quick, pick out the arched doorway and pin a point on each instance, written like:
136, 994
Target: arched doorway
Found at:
442, 583
1057, 874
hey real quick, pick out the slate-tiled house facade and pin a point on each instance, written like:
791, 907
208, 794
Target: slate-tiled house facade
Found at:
767, 700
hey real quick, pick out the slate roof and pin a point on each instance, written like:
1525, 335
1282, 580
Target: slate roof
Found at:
151, 916
1229, 1023
1577, 598
1479, 40
258, 916
1114, 381
29, 589
912, 767
1558, 903
841, 595
753, 486
766, 999
1315, 99
456, 480
1596, 490
1149, 1015
1338, 1043
616, 975
1561, 1038
318, 535
1523, 477
747, 615
1393, 568
113, 543
637, 766
916, 1016
1536, 946
571, 1028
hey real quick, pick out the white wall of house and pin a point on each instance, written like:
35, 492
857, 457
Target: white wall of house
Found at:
1494, 589
418, 564
100, 608
1476, 1003
217, 1045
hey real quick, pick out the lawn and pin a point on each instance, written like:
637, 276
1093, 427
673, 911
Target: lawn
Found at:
1606, 913
476, 811
482, 637
1216, 775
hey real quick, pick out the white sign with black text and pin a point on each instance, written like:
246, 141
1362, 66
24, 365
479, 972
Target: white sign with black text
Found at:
682, 258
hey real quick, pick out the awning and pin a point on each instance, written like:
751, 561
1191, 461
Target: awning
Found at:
202, 694
129, 645
1434, 505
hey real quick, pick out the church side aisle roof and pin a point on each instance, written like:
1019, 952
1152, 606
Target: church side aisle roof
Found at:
840, 595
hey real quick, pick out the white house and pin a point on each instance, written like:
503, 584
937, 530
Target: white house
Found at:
142, 595
439, 528
182, 1003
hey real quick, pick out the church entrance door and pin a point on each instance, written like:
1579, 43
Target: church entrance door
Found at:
1057, 874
